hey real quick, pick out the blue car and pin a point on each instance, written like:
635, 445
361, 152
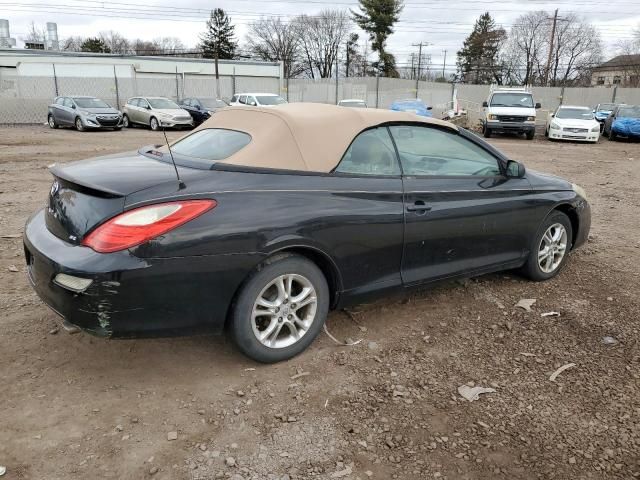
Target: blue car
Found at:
624, 122
413, 106
602, 111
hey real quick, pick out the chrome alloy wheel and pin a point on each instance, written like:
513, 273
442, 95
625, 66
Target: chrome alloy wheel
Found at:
284, 311
552, 248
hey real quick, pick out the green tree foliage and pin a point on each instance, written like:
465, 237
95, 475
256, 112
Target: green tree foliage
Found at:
377, 17
219, 36
95, 45
479, 58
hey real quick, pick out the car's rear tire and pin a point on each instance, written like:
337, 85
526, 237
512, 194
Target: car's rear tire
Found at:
79, 125
549, 248
125, 121
486, 132
52, 121
154, 124
266, 324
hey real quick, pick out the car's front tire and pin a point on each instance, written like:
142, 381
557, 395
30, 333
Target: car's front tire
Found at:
125, 121
52, 122
530, 135
79, 125
153, 124
550, 247
486, 132
280, 309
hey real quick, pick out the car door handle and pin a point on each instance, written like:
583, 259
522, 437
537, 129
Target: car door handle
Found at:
419, 207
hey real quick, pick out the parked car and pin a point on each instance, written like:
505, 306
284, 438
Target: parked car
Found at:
416, 106
353, 103
509, 110
573, 123
256, 100
624, 122
602, 111
271, 217
83, 113
201, 109
155, 112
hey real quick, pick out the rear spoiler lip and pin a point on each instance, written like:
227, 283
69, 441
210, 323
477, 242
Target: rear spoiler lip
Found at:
58, 172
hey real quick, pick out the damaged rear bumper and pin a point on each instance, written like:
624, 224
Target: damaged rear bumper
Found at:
131, 296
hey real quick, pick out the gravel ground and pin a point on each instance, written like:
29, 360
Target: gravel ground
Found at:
78, 407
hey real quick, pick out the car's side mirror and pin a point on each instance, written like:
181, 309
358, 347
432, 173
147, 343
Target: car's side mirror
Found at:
197, 107
485, 104
515, 169
553, 115
538, 105
429, 108
73, 106
148, 107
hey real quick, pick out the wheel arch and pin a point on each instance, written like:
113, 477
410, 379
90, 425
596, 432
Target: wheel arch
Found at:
570, 211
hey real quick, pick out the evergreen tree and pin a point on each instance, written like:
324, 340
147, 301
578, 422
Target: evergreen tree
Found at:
218, 40
95, 45
478, 60
377, 18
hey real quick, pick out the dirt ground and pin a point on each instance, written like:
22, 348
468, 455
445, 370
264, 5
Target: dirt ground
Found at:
78, 407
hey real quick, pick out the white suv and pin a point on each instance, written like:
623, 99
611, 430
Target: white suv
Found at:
256, 100
510, 110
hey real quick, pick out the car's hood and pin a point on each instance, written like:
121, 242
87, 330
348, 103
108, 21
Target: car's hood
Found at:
105, 110
627, 125
515, 111
575, 123
546, 181
179, 112
602, 113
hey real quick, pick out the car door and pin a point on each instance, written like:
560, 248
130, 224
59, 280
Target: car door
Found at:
462, 213
132, 109
57, 111
68, 113
367, 212
143, 111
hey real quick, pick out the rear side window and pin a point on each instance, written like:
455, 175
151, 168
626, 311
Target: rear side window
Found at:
371, 153
212, 144
60, 101
432, 151
234, 99
133, 102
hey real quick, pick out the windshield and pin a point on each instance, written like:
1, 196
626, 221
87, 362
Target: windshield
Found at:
212, 144
90, 103
270, 100
512, 100
606, 107
629, 112
162, 103
355, 104
575, 113
211, 104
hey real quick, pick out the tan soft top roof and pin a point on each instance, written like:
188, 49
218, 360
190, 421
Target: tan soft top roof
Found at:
303, 136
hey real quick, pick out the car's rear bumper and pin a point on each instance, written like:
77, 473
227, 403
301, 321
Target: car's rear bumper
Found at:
131, 296
503, 127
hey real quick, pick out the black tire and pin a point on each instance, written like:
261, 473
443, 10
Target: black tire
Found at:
117, 129
612, 136
546, 132
154, 124
125, 121
51, 120
532, 269
241, 328
79, 125
530, 135
486, 132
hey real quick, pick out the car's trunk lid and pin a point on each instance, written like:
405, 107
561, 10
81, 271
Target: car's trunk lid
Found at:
87, 193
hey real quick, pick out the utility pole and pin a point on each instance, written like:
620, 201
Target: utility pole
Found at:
337, 71
419, 45
346, 73
444, 63
553, 36
217, 75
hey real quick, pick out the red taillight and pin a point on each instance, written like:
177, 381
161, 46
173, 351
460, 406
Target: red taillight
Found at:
142, 224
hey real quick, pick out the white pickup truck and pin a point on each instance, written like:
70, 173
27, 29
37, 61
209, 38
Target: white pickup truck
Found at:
510, 110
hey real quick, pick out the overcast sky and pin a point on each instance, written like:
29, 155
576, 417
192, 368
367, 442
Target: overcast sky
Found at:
442, 23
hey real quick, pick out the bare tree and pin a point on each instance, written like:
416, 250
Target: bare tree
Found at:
274, 40
72, 44
144, 47
321, 37
36, 33
526, 47
168, 45
115, 42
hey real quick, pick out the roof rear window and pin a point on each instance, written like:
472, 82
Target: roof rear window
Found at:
212, 144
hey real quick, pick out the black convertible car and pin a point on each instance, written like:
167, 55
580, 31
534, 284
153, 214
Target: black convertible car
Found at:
272, 216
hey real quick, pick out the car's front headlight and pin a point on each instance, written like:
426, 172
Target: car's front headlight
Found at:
491, 116
531, 119
555, 126
580, 191
595, 129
